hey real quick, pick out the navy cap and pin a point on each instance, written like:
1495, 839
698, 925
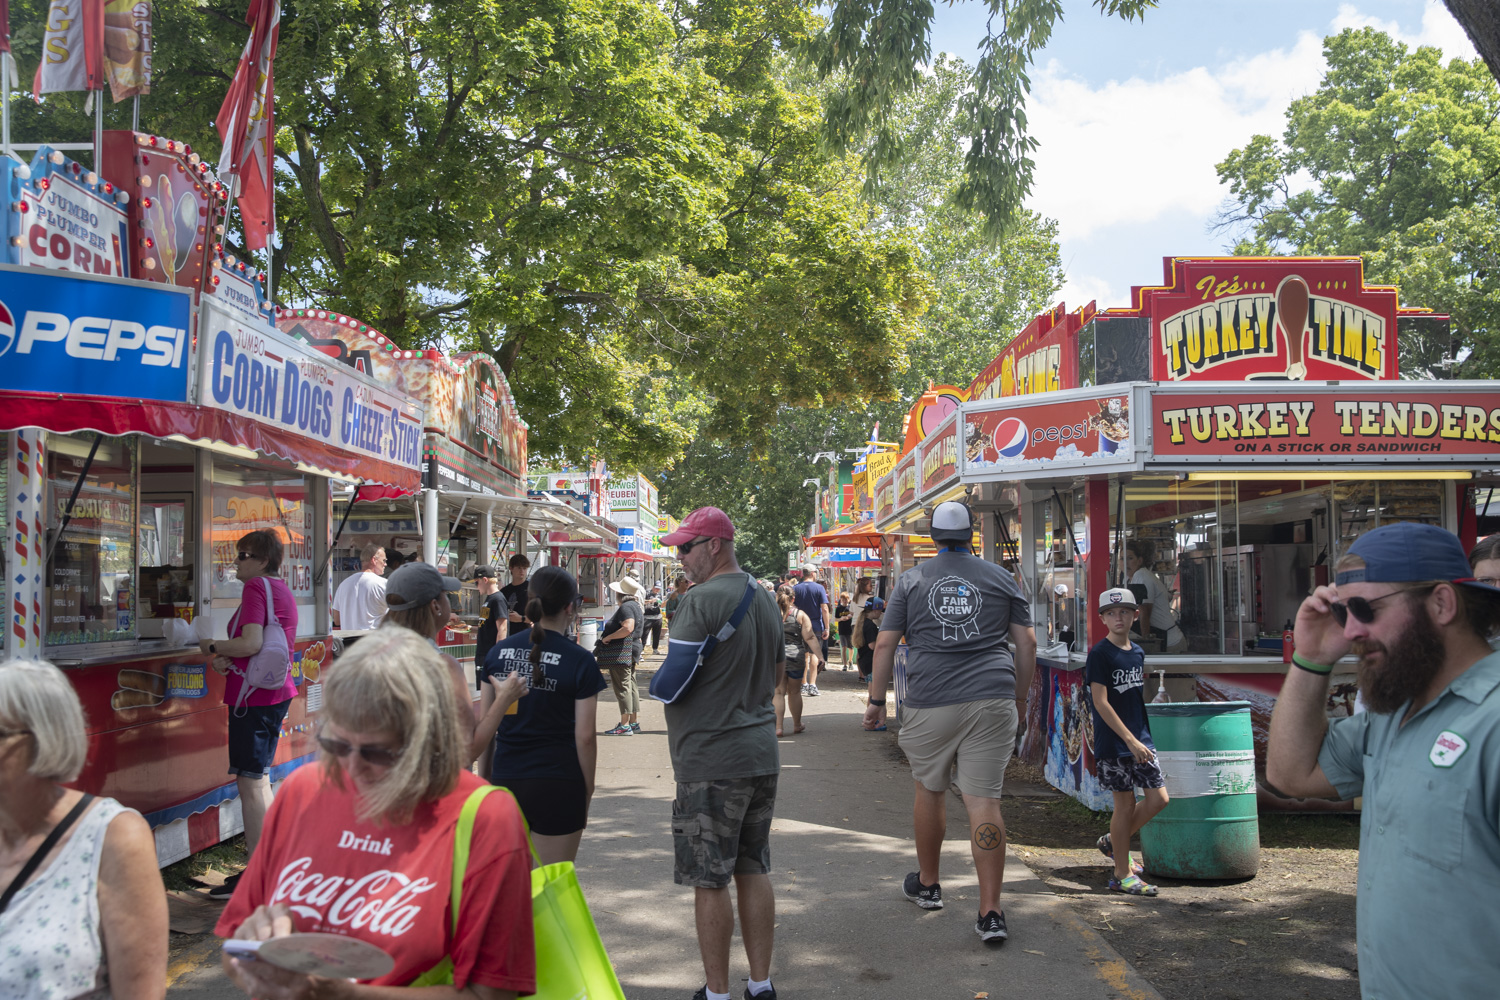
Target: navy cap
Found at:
874, 604
1407, 552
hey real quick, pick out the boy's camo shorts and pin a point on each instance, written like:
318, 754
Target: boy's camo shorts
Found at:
722, 828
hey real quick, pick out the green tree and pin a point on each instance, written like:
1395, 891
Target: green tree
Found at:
878, 48
621, 200
1396, 158
984, 292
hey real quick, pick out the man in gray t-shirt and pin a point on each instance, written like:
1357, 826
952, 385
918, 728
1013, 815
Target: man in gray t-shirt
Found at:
965, 695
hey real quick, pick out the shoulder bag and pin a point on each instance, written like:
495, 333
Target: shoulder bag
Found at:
675, 675
267, 668
571, 963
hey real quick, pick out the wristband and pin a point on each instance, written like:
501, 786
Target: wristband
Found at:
1311, 667
878, 704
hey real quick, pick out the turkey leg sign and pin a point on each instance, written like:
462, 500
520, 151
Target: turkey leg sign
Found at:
1291, 312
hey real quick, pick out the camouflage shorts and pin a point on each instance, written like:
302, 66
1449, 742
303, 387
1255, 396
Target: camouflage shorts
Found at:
722, 828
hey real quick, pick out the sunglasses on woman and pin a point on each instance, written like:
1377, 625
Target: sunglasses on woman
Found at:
1361, 609
243, 556
379, 756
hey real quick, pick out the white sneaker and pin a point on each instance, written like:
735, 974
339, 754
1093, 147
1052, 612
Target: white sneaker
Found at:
812, 691
807, 690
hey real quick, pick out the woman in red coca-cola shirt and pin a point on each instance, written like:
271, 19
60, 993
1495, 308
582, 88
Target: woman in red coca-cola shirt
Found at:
363, 845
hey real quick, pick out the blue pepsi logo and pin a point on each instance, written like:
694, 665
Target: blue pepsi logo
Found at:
1010, 438
7, 329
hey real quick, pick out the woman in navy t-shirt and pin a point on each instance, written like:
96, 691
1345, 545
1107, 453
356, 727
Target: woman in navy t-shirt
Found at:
545, 752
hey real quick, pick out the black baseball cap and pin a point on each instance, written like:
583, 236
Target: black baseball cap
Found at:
419, 584
486, 571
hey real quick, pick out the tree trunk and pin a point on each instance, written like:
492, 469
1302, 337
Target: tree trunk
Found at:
1481, 19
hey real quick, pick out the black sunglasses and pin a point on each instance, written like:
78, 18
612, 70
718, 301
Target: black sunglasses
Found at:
687, 547
243, 556
379, 756
1361, 609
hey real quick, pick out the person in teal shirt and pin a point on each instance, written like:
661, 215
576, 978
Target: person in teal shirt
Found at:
1425, 754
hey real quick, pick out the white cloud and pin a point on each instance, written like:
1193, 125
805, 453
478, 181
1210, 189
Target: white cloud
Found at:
1136, 155
1132, 151
1438, 28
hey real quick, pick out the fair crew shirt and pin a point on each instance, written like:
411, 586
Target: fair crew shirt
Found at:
956, 611
1123, 674
360, 601
1429, 838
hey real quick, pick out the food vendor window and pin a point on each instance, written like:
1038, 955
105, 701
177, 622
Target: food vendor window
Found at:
90, 597
248, 498
1175, 535
167, 535
1059, 575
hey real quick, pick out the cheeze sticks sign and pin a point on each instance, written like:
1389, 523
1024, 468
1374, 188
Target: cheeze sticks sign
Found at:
1364, 423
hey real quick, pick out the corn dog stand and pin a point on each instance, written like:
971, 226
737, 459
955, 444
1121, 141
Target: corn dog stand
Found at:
149, 417
1241, 461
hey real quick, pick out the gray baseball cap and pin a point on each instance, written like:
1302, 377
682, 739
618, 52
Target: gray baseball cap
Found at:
418, 584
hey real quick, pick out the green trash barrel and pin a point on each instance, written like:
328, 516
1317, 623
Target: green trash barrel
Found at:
1209, 829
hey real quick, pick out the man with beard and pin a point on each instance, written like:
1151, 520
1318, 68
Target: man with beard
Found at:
1425, 754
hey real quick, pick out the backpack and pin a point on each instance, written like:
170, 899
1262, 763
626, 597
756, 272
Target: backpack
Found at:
268, 668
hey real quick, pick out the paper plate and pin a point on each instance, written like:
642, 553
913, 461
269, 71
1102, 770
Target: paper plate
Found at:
330, 955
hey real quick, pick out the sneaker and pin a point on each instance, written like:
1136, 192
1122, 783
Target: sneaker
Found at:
928, 897
635, 727
812, 691
227, 889
807, 690
1132, 885
769, 994
620, 730
991, 926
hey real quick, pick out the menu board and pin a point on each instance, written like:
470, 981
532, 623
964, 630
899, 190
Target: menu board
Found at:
246, 500
89, 592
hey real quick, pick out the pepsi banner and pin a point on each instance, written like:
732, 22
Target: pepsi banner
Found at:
255, 371
1023, 438
89, 335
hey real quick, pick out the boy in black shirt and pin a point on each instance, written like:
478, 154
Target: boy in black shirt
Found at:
1123, 751
496, 613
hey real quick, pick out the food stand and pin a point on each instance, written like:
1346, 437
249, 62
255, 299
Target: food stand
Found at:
146, 424
1242, 460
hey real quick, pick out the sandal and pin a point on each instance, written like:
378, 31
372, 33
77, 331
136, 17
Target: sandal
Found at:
1107, 848
1132, 885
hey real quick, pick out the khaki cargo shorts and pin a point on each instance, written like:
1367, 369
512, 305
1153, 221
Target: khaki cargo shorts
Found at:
721, 829
979, 735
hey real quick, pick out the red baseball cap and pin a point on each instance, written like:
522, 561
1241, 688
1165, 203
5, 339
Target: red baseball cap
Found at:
705, 522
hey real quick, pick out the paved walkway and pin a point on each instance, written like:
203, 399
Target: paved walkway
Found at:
840, 846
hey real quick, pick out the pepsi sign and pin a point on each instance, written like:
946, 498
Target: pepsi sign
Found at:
89, 335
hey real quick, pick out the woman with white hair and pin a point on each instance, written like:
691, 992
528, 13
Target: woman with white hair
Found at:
363, 845
79, 866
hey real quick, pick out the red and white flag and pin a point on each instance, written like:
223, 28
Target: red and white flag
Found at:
247, 125
72, 48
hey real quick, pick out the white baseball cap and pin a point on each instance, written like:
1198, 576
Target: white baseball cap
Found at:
952, 522
1116, 597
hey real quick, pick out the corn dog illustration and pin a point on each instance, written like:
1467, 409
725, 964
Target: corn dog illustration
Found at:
144, 681
162, 226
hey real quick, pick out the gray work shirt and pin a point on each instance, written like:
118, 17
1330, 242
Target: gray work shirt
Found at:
1429, 839
956, 611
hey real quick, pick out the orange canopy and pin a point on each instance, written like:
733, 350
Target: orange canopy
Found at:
859, 535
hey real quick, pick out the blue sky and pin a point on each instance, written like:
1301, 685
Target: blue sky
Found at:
1132, 117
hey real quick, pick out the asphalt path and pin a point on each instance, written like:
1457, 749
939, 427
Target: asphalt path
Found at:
841, 844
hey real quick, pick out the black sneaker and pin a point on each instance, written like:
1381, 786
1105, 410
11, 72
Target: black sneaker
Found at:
928, 897
991, 926
769, 994
227, 889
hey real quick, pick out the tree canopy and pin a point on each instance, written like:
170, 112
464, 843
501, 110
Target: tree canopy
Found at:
983, 294
877, 50
1396, 158
626, 202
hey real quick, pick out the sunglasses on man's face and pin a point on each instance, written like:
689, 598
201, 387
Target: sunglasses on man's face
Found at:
687, 547
379, 756
1362, 610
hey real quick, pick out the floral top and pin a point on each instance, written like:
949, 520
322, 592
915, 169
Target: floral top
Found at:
50, 944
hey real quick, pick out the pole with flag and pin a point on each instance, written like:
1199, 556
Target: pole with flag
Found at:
247, 125
7, 67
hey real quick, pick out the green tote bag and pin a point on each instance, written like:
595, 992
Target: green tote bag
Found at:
571, 963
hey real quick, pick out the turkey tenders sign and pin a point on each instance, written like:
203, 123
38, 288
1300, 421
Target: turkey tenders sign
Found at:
260, 373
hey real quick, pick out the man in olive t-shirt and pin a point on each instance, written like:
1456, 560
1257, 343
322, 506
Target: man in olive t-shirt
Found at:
722, 736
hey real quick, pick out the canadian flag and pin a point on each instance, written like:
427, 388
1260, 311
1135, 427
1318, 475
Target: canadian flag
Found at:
247, 125
72, 48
